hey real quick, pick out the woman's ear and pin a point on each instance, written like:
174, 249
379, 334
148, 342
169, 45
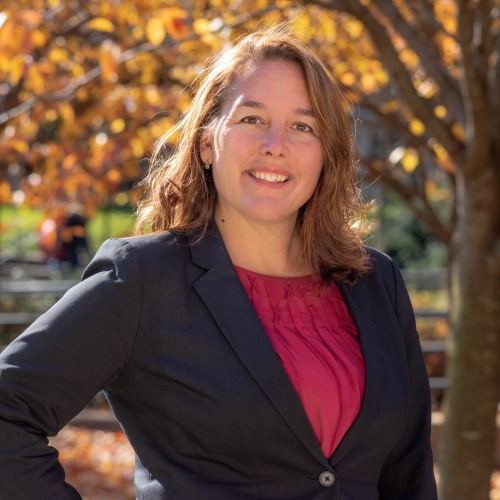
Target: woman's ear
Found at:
206, 152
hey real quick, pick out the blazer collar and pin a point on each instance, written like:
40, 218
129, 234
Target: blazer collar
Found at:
221, 291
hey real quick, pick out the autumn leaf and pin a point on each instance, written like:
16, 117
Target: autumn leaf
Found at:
410, 160
155, 31
100, 24
174, 22
109, 63
17, 67
201, 26
416, 127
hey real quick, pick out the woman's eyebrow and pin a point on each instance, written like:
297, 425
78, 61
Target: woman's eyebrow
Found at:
261, 105
251, 104
304, 112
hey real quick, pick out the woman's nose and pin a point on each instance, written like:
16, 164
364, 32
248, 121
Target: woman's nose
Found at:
274, 142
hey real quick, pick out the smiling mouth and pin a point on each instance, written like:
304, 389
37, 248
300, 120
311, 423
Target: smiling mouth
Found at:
268, 177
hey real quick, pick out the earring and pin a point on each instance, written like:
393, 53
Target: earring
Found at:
207, 165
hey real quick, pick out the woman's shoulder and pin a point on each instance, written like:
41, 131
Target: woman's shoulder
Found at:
385, 272
160, 241
379, 261
155, 248
151, 242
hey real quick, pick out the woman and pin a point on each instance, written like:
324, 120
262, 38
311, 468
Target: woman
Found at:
250, 347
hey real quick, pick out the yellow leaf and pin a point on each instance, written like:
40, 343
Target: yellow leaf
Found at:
347, 79
50, 115
82, 94
410, 160
16, 69
121, 198
440, 151
69, 161
114, 175
390, 106
409, 57
19, 145
426, 88
35, 80
117, 125
137, 147
354, 28
382, 76
38, 38
458, 131
77, 70
5, 193
341, 67
109, 65
201, 26
440, 111
416, 127
67, 113
100, 24
368, 82
58, 55
155, 31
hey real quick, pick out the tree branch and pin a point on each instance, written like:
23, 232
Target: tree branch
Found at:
412, 198
474, 91
424, 8
494, 88
485, 43
420, 107
394, 121
429, 57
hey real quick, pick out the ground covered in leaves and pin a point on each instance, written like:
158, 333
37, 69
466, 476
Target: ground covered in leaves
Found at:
100, 464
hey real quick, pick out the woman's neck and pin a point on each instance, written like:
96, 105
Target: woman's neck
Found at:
271, 249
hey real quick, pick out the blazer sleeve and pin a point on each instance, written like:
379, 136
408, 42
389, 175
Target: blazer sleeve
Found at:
51, 371
407, 473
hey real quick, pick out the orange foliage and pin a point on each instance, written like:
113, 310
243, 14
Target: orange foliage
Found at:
99, 464
88, 87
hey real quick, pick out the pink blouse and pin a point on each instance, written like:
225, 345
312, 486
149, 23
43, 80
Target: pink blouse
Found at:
318, 345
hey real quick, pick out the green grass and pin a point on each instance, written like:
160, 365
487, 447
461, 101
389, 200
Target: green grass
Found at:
18, 227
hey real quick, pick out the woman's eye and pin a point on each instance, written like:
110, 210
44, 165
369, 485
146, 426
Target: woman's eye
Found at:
251, 120
302, 127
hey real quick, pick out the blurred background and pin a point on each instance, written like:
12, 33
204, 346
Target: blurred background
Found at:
87, 87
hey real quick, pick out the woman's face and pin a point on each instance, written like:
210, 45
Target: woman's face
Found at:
265, 152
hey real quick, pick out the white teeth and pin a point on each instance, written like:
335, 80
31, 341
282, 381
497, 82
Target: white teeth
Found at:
265, 176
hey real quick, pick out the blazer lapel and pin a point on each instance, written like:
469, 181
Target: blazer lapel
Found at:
359, 305
221, 291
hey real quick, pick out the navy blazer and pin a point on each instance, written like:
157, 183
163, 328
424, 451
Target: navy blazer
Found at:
165, 327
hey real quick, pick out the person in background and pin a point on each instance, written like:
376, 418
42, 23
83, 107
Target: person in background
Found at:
63, 239
249, 343
74, 248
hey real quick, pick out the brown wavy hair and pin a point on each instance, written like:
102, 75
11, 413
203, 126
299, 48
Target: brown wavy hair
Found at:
180, 194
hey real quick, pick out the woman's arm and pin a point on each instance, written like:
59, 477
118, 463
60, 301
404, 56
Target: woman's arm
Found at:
51, 371
408, 471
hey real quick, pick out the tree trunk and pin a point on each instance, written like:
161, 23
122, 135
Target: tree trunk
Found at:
468, 441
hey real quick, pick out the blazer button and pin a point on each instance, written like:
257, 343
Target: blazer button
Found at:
326, 479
